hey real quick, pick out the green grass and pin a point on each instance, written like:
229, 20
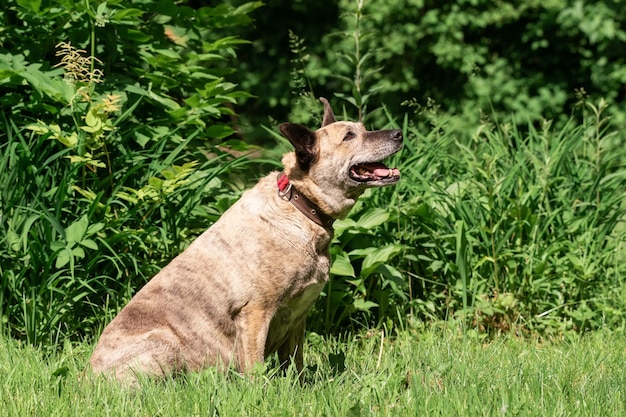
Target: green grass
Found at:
419, 373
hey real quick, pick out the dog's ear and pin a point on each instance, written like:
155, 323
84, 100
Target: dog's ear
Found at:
303, 140
329, 116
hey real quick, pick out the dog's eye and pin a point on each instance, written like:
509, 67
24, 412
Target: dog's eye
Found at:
350, 135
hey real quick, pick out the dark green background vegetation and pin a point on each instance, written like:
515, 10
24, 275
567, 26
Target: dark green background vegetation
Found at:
520, 60
509, 217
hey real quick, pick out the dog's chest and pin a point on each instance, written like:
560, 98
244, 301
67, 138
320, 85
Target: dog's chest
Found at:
297, 308
301, 297
289, 317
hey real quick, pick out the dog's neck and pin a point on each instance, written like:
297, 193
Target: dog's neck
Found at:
287, 191
336, 203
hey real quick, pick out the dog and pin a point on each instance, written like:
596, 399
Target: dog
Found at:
241, 291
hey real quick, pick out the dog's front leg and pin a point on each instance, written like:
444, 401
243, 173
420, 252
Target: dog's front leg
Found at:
292, 348
252, 324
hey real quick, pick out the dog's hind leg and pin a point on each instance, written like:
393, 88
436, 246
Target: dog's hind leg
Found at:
154, 354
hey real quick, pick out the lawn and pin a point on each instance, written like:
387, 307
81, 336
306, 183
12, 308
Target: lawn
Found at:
425, 372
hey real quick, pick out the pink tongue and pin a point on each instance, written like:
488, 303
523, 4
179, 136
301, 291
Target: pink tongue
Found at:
386, 172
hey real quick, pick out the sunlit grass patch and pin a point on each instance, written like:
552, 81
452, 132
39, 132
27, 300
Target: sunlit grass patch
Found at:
438, 371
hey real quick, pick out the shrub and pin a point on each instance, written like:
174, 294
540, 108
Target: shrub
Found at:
513, 226
111, 152
511, 231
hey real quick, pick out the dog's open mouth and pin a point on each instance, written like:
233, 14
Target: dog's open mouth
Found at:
374, 172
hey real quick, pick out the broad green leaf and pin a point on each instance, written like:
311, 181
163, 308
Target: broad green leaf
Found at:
363, 305
13, 241
359, 285
88, 243
205, 75
57, 245
63, 258
88, 194
101, 10
39, 129
168, 53
142, 139
343, 225
119, 16
42, 128
373, 217
87, 159
342, 266
95, 228
219, 131
76, 231
360, 253
78, 252
92, 129
70, 141
248, 7
32, 5
167, 102
91, 119
155, 183
379, 256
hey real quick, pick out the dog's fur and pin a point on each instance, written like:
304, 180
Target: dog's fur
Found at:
242, 290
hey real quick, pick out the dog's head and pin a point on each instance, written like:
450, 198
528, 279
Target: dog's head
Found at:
336, 163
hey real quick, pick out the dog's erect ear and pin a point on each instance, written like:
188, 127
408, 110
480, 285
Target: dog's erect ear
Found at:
303, 140
329, 116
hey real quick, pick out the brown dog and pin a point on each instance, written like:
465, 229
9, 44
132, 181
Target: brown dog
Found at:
241, 291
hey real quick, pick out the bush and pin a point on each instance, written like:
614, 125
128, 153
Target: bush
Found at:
111, 151
513, 226
513, 231
117, 149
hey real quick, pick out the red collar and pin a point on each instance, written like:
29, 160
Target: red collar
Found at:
287, 191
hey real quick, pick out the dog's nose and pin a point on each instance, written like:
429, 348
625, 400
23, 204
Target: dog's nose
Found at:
396, 135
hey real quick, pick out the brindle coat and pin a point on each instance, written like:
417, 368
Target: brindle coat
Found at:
241, 291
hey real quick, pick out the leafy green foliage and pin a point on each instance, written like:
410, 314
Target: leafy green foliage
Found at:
112, 151
116, 150
512, 231
521, 60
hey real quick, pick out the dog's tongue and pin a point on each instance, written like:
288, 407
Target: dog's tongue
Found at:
380, 170
373, 171
386, 172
